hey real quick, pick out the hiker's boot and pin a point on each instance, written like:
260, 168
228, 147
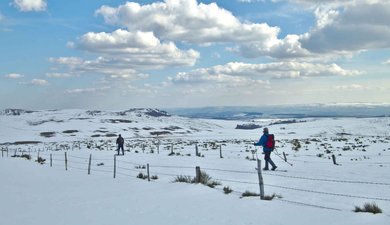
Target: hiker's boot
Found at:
274, 168
265, 168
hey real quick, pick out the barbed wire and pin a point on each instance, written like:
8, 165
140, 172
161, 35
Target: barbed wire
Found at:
306, 204
328, 193
328, 180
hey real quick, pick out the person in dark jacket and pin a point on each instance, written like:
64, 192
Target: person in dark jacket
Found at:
267, 151
120, 142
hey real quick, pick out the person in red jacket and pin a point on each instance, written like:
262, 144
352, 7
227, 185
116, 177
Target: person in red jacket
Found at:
267, 150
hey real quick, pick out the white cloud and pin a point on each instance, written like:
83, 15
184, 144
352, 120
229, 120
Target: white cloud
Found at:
188, 21
241, 72
356, 27
86, 90
123, 54
59, 75
30, 5
39, 82
36, 82
387, 62
13, 76
136, 49
117, 68
351, 87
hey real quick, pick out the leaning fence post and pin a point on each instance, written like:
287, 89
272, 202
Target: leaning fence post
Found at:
334, 159
147, 170
51, 160
114, 166
220, 151
197, 178
285, 158
66, 162
89, 164
261, 183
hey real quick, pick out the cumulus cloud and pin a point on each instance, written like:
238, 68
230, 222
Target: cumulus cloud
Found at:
188, 21
118, 68
30, 5
136, 49
352, 28
243, 74
13, 76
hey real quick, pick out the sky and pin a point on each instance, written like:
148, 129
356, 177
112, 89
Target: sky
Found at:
111, 54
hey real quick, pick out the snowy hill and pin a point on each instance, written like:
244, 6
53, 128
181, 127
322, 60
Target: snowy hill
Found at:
312, 188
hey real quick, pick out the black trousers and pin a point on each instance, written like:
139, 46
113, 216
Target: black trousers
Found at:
121, 147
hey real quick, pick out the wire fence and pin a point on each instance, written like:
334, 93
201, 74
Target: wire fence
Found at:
247, 179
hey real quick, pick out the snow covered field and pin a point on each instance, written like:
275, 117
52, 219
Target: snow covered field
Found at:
312, 191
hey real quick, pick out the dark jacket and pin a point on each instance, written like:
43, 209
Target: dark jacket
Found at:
120, 141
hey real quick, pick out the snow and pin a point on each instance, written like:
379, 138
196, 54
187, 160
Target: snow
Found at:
313, 190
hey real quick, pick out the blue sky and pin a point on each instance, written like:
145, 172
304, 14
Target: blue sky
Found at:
101, 54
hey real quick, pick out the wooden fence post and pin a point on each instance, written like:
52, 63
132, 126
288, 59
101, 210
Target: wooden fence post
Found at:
196, 150
7, 151
172, 148
89, 164
2, 152
197, 178
38, 156
334, 159
66, 162
147, 170
261, 183
114, 165
220, 151
51, 160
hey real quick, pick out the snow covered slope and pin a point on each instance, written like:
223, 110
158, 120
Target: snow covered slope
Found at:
312, 190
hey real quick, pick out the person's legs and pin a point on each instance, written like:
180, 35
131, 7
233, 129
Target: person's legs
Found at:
123, 150
266, 159
271, 162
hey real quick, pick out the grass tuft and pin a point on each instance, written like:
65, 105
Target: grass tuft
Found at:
368, 207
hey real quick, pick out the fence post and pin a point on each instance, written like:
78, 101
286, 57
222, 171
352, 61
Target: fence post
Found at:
114, 165
66, 162
51, 160
196, 150
147, 169
197, 178
15, 152
220, 151
172, 148
2, 152
284, 155
261, 183
334, 159
89, 164
7, 151
38, 156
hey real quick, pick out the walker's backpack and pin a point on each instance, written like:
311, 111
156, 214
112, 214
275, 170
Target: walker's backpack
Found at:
270, 143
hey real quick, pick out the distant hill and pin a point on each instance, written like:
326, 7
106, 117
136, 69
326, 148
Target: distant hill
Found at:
291, 111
